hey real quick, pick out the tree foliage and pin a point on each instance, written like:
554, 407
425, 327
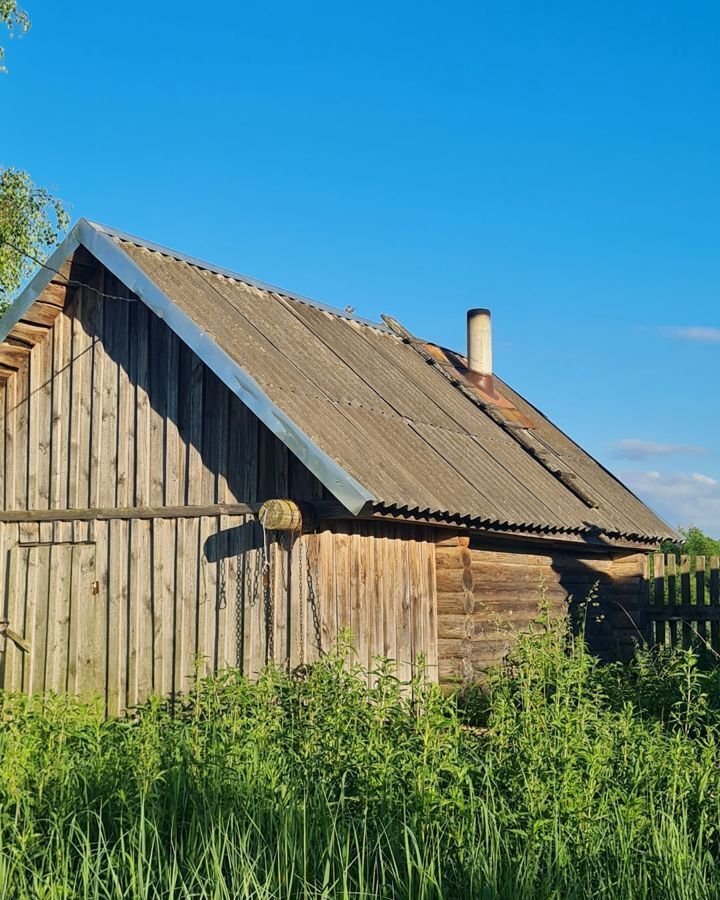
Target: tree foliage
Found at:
31, 218
17, 22
696, 543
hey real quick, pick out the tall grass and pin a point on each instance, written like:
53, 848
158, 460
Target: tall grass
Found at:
562, 778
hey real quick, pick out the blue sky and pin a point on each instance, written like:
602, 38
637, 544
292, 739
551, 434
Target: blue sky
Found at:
555, 162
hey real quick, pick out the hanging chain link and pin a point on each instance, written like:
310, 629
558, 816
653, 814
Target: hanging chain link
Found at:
239, 607
269, 608
301, 604
312, 600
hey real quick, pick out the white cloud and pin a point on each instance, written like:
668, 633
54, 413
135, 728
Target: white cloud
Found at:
630, 448
680, 498
703, 333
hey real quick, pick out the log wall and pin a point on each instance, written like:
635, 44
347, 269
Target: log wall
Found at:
486, 595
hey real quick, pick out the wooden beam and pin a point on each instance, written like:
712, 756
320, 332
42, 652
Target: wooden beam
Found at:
322, 509
684, 612
41, 313
29, 332
13, 356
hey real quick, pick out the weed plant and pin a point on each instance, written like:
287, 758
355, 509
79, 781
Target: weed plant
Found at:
557, 778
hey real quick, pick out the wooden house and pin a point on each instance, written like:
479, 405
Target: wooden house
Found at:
151, 403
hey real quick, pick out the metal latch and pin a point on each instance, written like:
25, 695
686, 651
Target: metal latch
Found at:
17, 639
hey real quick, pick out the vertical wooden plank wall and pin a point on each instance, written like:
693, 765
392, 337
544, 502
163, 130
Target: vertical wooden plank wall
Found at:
113, 410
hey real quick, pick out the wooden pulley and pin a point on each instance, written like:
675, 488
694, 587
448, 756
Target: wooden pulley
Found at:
286, 515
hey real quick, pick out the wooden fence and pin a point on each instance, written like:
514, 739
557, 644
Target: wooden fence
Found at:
684, 602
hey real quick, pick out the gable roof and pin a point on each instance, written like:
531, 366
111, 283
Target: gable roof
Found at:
361, 406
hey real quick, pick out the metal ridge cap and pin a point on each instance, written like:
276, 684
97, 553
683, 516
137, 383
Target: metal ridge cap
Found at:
228, 273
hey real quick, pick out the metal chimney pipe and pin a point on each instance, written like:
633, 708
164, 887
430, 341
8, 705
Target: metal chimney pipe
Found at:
479, 341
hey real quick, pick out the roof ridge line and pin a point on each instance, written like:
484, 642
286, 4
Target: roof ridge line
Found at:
229, 273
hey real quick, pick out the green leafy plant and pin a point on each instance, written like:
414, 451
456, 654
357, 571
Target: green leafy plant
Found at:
558, 777
15, 19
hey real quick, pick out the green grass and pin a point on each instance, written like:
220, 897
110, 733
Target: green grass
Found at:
563, 779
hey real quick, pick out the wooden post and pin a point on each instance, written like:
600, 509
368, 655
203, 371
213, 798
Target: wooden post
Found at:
659, 594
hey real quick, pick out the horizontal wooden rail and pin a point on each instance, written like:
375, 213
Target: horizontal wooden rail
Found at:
323, 509
686, 613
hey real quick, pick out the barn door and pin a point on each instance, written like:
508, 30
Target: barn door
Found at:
50, 598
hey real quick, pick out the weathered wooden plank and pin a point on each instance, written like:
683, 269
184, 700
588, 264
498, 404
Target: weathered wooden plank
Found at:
143, 463
231, 600
255, 637
163, 574
370, 610
106, 513
358, 592
3, 434
61, 412
431, 593
211, 416
388, 648
714, 591
141, 626
59, 617
39, 438
98, 470
174, 447
686, 613
408, 619
11, 414
186, 602
124, 352
38, 587
105, 406
14, 356
28, 332
324, 565
685, 596
194, 464
20, 427
343, 578
377, 599
207, 597
296, 595
90, 610
157, 408
118, 616
700, 599
40, 314
82, 342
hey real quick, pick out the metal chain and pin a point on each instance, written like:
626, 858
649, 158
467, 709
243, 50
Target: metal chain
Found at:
221, 589
239, 607
269, 609
301, 601
255, 579
312, 600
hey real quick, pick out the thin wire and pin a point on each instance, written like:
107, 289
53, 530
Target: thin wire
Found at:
65, 282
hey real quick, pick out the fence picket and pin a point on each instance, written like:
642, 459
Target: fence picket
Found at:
659, 594
701, 625
715, 601
695, 607
672, 594
685, 598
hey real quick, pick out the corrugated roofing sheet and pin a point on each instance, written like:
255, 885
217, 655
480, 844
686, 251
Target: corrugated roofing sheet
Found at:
373, 404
